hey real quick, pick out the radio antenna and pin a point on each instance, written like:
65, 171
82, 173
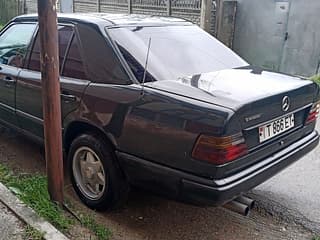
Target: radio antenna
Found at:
146, 65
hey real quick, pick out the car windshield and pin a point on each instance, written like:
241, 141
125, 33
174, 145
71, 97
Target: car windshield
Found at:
175, 51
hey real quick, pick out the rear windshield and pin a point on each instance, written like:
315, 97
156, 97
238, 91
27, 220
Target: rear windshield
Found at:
175, 51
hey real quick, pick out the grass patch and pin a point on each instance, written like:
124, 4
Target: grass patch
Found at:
101, 232
32, 190
88, 221
316, 79
316, 238
33, 234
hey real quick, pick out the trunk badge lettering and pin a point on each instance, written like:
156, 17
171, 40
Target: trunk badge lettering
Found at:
254, 117
285, 103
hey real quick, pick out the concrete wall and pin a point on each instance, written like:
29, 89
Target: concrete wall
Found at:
226, 22
280, 35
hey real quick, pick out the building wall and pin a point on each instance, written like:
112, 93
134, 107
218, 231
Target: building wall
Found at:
279, 35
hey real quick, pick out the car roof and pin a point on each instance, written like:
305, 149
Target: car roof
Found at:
110, 19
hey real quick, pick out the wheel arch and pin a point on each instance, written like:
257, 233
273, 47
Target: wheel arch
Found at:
76, 128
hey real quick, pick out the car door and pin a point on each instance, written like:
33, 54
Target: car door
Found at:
112, 92
29, 91
14, 42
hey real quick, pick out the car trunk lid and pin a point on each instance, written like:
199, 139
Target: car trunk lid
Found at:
256, 97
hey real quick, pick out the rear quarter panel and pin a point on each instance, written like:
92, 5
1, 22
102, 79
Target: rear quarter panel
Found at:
156, 126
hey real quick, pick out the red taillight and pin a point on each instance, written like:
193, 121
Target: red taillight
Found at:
314, 113
219, 150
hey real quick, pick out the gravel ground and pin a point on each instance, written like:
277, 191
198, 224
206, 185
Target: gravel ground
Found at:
11, 228
151, 217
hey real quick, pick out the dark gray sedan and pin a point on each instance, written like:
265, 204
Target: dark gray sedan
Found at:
157, 103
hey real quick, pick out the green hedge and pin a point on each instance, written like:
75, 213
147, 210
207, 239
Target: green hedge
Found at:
316, 79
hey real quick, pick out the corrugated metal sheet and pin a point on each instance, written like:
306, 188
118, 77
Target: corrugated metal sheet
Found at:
31, 6
114, 6
187, 9
85, 6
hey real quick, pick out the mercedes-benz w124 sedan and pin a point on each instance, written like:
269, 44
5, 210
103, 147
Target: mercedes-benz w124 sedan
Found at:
157, 103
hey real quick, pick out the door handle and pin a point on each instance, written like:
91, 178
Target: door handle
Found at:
68, 97
286, 37
8, 81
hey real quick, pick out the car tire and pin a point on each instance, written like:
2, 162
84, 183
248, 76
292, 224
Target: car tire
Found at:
95, 174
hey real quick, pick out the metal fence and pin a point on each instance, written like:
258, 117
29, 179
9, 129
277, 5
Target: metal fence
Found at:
187, 9
31, 6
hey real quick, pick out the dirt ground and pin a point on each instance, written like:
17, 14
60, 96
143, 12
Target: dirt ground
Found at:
150, 217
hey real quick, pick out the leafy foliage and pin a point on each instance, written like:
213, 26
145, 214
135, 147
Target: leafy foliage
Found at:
316, 79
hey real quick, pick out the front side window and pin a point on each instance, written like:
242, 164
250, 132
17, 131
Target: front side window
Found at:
14, 43
175, 51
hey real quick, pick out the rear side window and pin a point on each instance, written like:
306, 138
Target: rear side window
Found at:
74, 66
103, 66
14, 43
65, 34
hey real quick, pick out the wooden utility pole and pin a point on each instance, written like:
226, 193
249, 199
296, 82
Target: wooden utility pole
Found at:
51, 97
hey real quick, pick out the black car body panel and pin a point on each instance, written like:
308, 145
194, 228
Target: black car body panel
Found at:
180, 185
238, 89
154, 127
29, 100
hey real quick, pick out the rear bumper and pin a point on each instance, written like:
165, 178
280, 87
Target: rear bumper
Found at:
213, 192
237, 184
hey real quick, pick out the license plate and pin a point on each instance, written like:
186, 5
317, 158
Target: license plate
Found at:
276, 127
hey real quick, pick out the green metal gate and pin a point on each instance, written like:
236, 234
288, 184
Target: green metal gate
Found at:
10, 9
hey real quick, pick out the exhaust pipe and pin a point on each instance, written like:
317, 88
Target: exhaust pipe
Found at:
241, 205
237, 207
246, 201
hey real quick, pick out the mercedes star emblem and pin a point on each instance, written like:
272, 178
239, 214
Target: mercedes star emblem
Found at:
285, 103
